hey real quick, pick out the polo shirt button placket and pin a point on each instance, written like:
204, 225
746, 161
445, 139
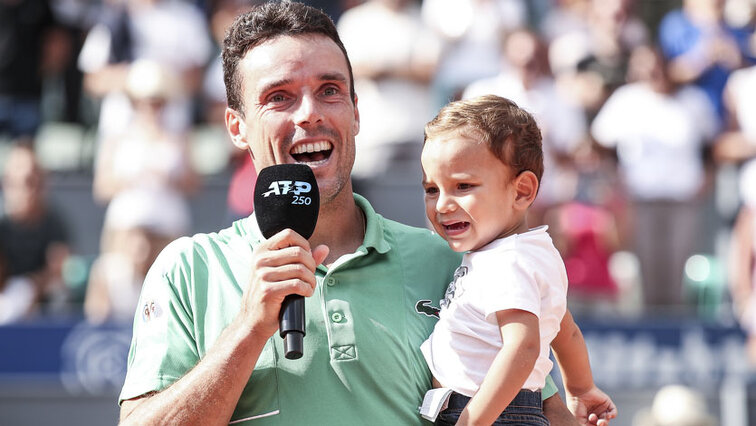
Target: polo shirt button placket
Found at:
337, 317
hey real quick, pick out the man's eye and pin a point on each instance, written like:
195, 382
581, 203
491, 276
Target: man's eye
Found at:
277, 97
330, 91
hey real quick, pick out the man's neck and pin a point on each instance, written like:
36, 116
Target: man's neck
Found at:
341, 226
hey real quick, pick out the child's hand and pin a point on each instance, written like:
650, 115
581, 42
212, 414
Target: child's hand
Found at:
593, 407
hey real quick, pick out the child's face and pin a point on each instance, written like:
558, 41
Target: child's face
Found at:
469, 192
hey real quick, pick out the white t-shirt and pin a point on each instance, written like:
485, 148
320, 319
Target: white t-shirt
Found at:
659, 139
522, 271
742, 86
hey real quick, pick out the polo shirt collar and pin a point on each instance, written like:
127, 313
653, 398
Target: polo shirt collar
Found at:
374, 232
375, 236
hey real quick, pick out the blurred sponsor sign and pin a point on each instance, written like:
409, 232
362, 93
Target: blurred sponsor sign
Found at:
657, 351
624, 354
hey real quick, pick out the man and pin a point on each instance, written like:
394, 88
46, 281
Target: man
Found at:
34, 237
202, 351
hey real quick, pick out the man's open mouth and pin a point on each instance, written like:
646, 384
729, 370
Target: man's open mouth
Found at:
312, 152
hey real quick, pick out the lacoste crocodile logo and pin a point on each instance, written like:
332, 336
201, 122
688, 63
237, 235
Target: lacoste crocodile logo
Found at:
424, 307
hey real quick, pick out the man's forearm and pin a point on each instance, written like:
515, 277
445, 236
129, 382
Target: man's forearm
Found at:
556, 411
208, 393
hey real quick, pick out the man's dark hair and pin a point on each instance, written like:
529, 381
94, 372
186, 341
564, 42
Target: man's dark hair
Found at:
266, 22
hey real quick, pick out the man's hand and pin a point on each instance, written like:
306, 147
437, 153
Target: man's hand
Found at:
282, 265
593, 407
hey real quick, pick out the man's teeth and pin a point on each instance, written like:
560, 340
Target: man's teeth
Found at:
311, 147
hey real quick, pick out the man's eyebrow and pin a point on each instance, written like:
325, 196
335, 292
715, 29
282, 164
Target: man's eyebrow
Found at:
273, 84
333, 77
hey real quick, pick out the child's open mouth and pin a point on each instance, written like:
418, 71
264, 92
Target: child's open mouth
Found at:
456, 227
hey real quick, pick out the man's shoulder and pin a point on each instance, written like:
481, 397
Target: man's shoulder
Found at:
202, 243
407, 237
414, 232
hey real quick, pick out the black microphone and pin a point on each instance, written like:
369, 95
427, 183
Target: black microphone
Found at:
287, 196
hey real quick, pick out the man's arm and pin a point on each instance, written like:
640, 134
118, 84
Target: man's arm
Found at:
209, 393
587, 402
556, 411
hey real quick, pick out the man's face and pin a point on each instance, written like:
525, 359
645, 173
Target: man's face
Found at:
22, 184
298, 109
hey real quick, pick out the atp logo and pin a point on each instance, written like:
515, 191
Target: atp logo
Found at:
283, 187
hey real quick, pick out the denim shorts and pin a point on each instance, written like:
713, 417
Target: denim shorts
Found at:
525, 409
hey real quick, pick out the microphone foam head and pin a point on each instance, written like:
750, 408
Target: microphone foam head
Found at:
287, 196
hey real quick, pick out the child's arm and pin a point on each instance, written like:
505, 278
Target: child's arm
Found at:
510, 368
587, 402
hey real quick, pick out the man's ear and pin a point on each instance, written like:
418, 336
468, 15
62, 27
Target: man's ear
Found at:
236, 128
356, 124
526, 187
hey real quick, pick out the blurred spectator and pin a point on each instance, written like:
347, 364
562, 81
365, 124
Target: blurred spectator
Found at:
564, 17
742, 259
33, 239
615, 32
587, 235
676, 405
31, 44
589, 43
471, 31
737, 143
213, 90
525, 79
147, 158
241, 189
172, 33
660, 131
139, 228
701, 47
392, 79
17, 295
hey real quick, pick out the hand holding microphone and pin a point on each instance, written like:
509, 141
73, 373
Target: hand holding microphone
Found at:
287, 196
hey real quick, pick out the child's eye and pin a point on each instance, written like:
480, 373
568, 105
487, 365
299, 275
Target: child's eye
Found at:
464, 186
430, 190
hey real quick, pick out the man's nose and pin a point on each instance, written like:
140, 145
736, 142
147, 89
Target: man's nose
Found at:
308, 111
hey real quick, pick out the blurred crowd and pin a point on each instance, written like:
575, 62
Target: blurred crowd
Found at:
650, 183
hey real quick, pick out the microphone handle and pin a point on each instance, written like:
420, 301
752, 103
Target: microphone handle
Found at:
291, 322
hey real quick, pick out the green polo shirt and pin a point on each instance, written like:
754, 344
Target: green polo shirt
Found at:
364, 325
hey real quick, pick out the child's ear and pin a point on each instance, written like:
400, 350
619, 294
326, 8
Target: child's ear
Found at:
526, 186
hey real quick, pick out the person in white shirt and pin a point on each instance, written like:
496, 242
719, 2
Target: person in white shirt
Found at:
660, 131
482, 163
